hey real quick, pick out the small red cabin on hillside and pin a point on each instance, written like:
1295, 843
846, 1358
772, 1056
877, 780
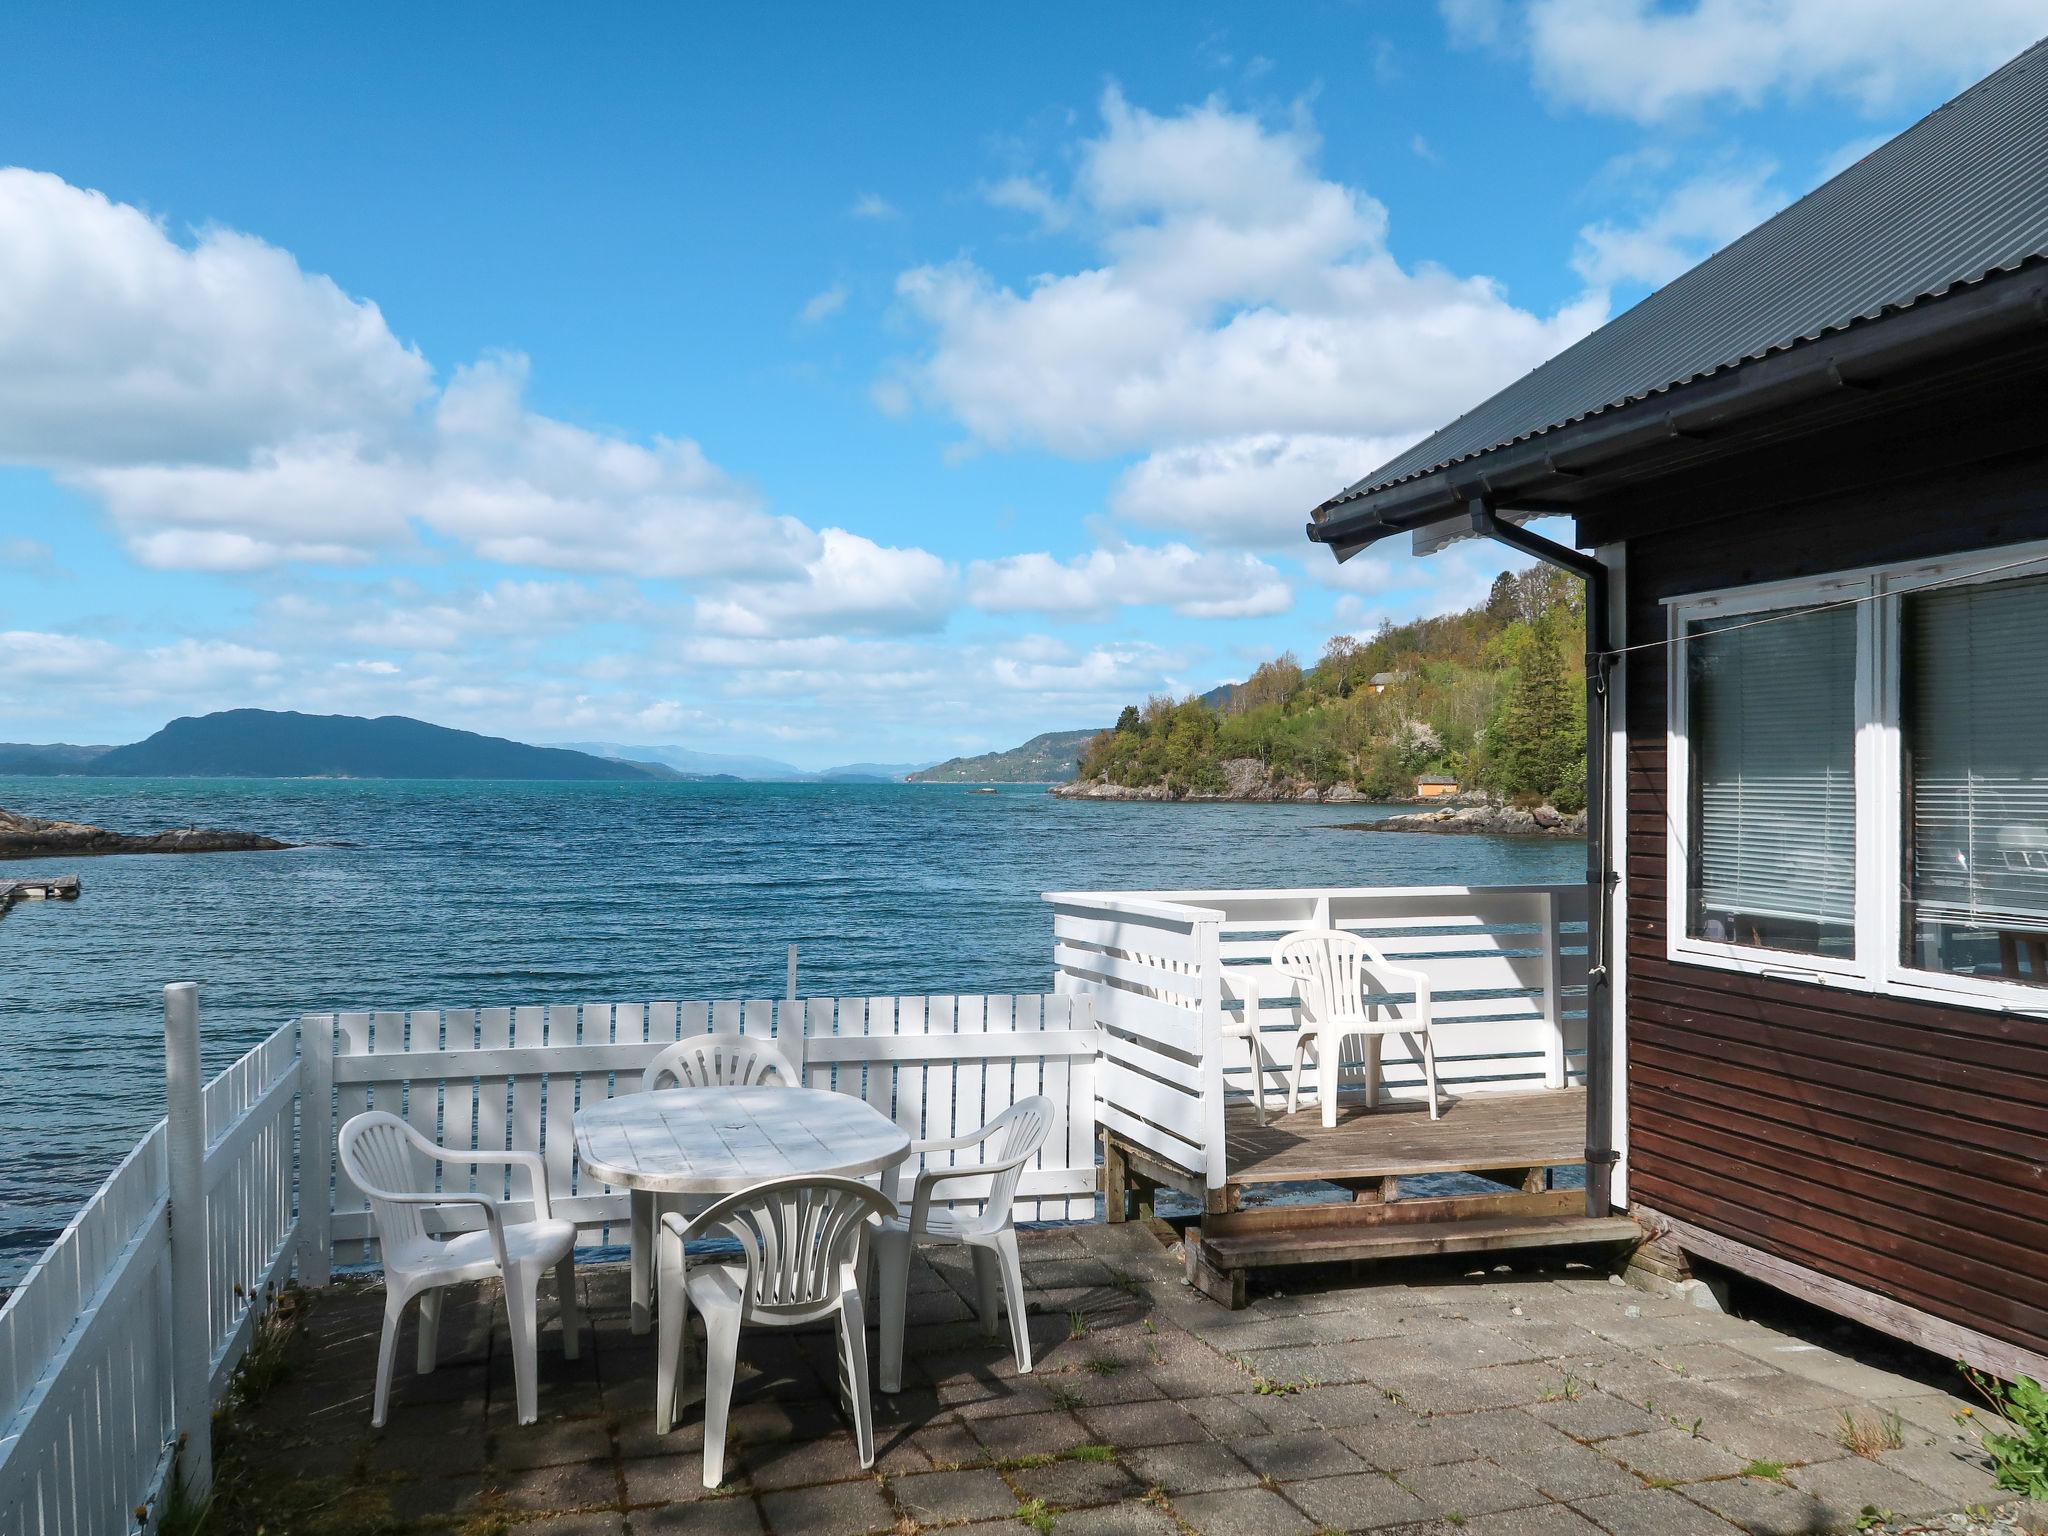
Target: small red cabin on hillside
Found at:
1812, 474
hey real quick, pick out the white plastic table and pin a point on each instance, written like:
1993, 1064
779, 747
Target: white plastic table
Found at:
713, 1141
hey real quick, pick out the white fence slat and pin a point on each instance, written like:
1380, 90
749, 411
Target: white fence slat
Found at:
422, 1095
529, 1028
557, 1145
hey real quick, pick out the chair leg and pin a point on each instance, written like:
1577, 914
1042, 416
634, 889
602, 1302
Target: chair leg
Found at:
721, 1363
522, 1310
430, 1330
987, 1283
1013, 1296
853, 1350
672, 1317
1301, 1045
892, 1284
641, 1229
387, 1352
1429, 1069
572, 1312
1259, 1070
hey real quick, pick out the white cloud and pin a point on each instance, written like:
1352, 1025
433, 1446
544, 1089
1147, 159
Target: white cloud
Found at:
1113, 672
1241, 299
119, 345
823, 304
233, 412
1193, 584
851, 585
1253, 490
401, 616
872, 205
1689, 224
50, 675
1029, 194
1651, 61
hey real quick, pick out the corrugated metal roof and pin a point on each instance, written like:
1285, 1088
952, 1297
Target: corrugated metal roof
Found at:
1958, 196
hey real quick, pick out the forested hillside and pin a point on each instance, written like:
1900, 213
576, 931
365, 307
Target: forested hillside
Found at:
1493, 696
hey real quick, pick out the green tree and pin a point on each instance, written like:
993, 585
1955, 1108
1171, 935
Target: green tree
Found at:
1536, 745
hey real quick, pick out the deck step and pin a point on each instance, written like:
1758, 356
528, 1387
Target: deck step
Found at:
1324, 1244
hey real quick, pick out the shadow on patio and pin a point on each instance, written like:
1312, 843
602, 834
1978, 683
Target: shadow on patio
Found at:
1538, 1400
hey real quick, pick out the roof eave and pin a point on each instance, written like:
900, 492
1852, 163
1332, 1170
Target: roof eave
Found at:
1679, 420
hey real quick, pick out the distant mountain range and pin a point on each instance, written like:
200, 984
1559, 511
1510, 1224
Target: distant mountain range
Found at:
1052, 758
697, 765
283, 744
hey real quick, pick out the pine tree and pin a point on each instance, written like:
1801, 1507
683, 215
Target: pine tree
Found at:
1537, 743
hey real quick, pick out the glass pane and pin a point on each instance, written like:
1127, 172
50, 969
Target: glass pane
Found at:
1974, 721
1771, 722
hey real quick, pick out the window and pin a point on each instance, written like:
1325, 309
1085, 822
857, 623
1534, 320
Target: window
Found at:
1771, 712
1859, 776
1973, 734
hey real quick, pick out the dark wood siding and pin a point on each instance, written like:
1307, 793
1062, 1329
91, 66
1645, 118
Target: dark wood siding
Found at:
1898, 1146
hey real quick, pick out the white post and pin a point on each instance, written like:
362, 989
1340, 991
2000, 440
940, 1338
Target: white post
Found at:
316, 1148
185, 1145
1550, 920
1208, 939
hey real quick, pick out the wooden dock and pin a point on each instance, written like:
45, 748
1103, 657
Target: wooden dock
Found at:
1512, 1140
48, 888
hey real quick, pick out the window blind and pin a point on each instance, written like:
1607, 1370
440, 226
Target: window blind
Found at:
1975, 726
1772, 730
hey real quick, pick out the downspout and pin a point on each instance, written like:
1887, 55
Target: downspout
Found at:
1601, 1155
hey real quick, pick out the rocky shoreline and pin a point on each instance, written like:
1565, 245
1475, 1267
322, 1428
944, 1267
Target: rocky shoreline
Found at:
1481, 814
33, 837
1246, 779
1250, 782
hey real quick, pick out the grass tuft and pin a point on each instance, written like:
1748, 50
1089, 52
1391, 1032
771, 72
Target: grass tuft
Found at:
1871, 1440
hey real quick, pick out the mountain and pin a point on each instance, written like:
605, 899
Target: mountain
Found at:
694, 764
1051, 758
58, 757
263, 743
870, 773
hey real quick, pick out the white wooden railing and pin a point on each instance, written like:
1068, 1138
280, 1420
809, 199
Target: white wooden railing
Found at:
130, 1324
1169, 973
497, 1077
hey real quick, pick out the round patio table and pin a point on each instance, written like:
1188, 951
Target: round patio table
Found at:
714, 1141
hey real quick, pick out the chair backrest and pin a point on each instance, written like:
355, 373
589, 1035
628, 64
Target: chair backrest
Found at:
719, 1061
802, 1238
1018, 1132
1332, 969
377, 1151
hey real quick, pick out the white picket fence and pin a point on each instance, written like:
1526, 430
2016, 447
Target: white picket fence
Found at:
1168, 973
89, 1383
489, 1078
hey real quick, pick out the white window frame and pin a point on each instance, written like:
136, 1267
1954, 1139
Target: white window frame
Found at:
1876, 966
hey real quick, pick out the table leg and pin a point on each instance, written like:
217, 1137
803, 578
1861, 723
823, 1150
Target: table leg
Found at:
642, 1240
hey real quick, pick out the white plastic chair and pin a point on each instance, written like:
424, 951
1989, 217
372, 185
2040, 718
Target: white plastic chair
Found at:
697, 1061
802, 1241
1014, 1137
392, 1163
719, 1061
1346, 986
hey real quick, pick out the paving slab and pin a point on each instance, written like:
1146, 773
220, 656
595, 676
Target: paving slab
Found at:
1066, 1484
1469, 1488
1848, 1485
1367, 1501
932, 1498
1765, 1508
1652, 1512
1129, 1426
1396, 1445
1289, 1458
1197, 1467
1672, 1456
1594, 1415
1242, 1512
720, 1517
839, 1509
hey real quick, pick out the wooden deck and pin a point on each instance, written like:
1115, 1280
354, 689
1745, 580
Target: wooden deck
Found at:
1512, 1139
1478, 1133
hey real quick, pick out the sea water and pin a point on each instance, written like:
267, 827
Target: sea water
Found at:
456, 894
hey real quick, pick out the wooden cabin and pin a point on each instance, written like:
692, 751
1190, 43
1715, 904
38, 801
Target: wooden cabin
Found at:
1807, 484
1434, 786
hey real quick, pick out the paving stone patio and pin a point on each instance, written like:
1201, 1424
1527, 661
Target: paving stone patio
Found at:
1517, 1402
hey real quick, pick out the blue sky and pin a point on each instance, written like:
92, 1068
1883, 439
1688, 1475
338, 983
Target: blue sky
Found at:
830, 382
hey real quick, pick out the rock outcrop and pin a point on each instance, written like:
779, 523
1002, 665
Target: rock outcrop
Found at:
32, 837
1482, 813
1244, 779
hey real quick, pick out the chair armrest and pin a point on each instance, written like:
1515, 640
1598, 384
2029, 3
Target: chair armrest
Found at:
950, 1143
931, 1178
494, 1219
536, 1172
